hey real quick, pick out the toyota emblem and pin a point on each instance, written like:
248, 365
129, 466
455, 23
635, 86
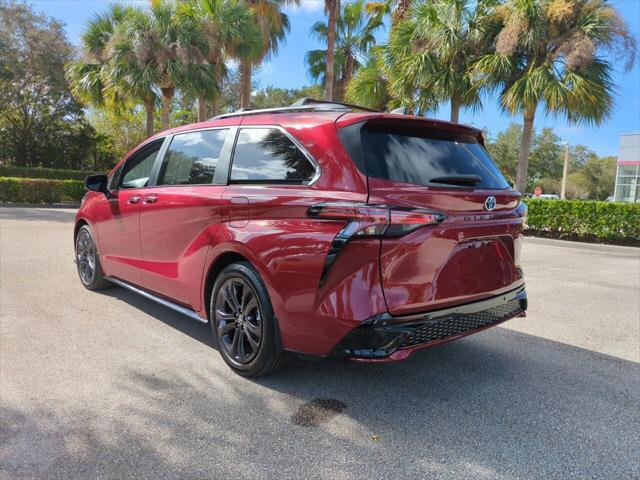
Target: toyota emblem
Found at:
490, 203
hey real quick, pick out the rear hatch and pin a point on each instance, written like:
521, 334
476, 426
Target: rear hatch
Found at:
473, 253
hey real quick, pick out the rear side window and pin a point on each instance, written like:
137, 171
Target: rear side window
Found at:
420, 156
192, 157
267, 155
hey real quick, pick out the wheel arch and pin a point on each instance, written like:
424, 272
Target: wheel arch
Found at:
217, 265
79, 224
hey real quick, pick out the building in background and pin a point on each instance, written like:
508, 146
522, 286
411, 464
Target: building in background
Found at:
628, 172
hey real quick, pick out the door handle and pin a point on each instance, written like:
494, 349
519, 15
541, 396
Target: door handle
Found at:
133, 199
151, 199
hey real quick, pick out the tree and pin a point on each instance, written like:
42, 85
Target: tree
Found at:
227, 25
278, 97
370, 86
590, 176
354, 37
601, 176
432, 51
332, 7
547, 157
396, 8
548, 52
504, 150
273, 25
41, 124
171, 47
109, 75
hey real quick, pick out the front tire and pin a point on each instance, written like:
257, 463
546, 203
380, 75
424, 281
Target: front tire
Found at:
88, 261
244, 326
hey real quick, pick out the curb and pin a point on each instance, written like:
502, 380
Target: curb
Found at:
581, 245
74, 206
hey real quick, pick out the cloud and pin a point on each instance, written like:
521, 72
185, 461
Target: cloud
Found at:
266, 68
307, 6
231, 63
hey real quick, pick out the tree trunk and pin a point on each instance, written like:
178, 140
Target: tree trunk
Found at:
245, 92
214, 105
331, 6
455, 109
149, 108
167, 97
202, 109
525, 146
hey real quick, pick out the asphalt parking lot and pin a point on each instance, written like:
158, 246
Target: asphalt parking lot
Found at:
109, 385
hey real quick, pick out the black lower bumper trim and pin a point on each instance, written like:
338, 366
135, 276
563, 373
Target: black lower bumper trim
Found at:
382, 335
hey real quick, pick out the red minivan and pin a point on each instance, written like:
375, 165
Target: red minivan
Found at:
320, 228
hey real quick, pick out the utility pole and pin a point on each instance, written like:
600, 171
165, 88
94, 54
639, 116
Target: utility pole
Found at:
565, 171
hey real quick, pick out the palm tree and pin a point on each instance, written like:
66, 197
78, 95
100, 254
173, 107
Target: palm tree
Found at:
170, 46
396, 8
227, 26
370, 87
101, 78
432, 50
354, 37
549, 52
332, 8
273, 25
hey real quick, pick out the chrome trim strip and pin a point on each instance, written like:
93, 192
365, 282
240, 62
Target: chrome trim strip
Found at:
173, 306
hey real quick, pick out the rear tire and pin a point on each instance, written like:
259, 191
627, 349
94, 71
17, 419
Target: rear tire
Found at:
88, 261
243, 323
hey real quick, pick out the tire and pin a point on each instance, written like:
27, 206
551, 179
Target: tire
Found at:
88, 261
244, 326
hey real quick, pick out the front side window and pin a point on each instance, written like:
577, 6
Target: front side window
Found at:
192, 157
137, 169
267, 155
113, 179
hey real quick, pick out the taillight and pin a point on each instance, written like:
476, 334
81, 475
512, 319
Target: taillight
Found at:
376, 220
364, 220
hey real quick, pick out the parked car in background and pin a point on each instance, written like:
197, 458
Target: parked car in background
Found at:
320, 228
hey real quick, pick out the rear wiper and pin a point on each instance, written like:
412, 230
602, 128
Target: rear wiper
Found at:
464, 180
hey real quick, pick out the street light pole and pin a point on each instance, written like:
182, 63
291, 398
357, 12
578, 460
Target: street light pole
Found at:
565, 171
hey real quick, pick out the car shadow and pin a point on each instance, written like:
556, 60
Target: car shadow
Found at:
196, 330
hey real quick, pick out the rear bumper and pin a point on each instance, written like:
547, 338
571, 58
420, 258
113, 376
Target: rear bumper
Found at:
387, 338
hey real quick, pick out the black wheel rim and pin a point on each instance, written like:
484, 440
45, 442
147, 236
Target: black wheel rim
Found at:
238, 320
86, 257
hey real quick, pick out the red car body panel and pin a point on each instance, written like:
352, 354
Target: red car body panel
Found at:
169, 242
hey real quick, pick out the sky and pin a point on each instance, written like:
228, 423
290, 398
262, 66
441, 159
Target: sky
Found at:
287, 69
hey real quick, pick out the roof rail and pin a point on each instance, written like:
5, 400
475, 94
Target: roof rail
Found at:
305, 104
313, 101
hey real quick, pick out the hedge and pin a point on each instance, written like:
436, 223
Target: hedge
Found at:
584, 220
569, 219
38, 190
38, 172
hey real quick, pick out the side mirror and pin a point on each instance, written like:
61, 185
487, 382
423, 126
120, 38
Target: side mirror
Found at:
97, 183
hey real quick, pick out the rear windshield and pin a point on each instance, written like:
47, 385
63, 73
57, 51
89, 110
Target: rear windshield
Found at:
420, 156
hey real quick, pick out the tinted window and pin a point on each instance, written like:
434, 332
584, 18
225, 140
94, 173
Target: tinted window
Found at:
416, 155
113, 179
137, 169
268, 155
191, 158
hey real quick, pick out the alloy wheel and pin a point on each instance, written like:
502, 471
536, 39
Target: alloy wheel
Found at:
238, 320
86, 256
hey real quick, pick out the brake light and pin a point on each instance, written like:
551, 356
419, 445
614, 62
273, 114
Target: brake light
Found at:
364, 220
